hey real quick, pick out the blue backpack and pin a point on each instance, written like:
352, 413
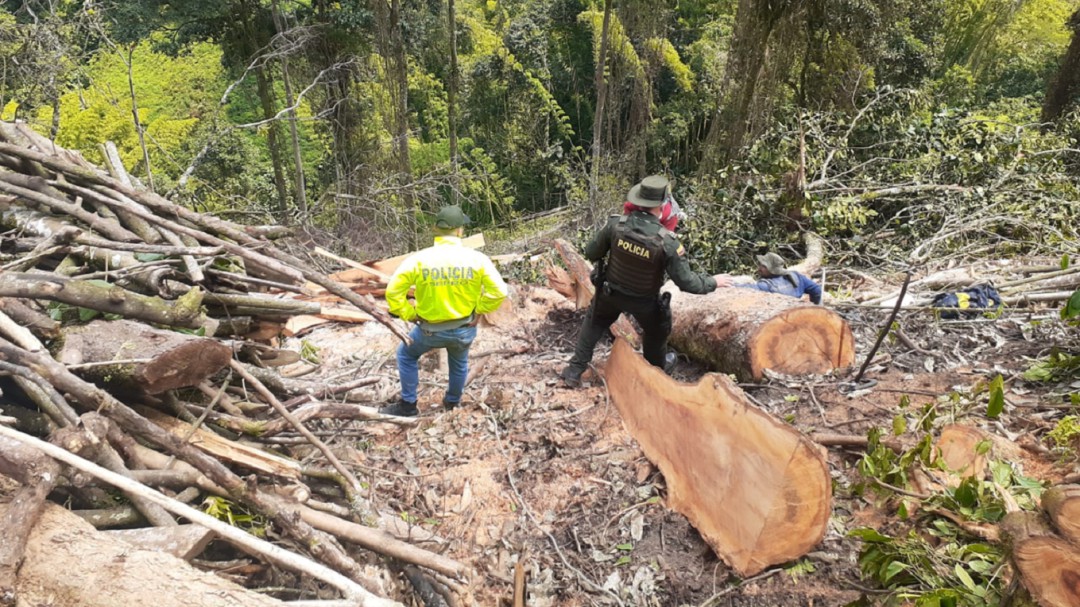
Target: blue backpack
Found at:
970, 302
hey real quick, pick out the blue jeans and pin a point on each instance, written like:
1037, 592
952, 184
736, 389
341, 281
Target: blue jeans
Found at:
456, 342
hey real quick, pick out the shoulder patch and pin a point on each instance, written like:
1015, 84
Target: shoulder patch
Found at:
680, 251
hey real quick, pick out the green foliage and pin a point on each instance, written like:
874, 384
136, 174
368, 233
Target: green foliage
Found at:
236, 515
1059, 365
936, 561
309, 352
1071, 309
1066, 435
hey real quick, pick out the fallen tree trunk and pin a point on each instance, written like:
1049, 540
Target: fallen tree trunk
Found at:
184, 312
758, 491
147, 359
745, 331
69, 563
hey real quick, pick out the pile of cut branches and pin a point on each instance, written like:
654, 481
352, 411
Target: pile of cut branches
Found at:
142, 399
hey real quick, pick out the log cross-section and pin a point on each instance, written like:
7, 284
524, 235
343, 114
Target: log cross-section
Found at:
757, 490
745, 331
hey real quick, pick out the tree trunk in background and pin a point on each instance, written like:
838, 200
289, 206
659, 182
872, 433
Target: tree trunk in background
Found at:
135, 116
1065, 88
451, 97
267, 101
601, 100
300, 193
754, 24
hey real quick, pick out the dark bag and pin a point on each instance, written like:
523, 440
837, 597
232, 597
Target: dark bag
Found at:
970, 302
598, 275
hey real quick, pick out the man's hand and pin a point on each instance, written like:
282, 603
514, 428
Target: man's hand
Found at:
723, 280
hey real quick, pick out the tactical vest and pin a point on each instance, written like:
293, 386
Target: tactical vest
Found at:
637, 261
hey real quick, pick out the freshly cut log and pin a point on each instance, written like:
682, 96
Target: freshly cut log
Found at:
745, 331
757, 490
339, 314
1049, 566
958, 445
1062, 503
298, 325
68, 563
167, 359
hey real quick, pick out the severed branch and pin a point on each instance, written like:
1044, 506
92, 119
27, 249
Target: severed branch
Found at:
290, 560
91, 397
354, 483
184, 312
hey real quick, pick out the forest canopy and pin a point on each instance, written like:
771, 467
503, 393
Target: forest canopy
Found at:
846, 117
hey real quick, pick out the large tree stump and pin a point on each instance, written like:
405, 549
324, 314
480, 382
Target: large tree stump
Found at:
1049, 566
745, 331
758, 491
167, 359
1062, 503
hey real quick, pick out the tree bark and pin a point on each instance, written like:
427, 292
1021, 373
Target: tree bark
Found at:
601, 100
183, 312
39, 475
1048, 565
167, 360
1062, 503
758, 491
300, 191
1065, 88
745, 331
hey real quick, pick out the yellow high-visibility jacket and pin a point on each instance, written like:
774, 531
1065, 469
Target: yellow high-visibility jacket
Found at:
452, 281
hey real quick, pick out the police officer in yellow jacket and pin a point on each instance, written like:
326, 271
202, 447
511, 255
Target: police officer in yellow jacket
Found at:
639, 252
454, 286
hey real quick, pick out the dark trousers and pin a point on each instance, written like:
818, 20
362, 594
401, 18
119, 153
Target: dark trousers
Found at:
605, 309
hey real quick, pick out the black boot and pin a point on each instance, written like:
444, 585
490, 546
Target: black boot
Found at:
402, 408
571, 376
449, 406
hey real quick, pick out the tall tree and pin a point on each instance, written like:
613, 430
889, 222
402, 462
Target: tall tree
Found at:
601, 101
755, 22
1065, 88
299, 190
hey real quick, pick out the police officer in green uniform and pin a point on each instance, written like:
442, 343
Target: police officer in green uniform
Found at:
639, 252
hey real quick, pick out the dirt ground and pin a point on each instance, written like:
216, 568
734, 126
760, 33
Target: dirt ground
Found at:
529, 472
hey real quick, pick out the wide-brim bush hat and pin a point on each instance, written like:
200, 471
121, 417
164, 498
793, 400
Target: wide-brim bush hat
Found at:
773, 263
650, 193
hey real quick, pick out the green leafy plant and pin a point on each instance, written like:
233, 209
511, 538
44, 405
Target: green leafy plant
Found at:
234, 514
309, 352
1057, 366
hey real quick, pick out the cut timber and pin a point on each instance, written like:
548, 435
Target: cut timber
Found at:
1062, 503
1049, 566
70, 564
168, 360
388, 266
298, 325
959, 446
745, 331
182, 541
343, 314
758, 491
226, 450
356, 271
